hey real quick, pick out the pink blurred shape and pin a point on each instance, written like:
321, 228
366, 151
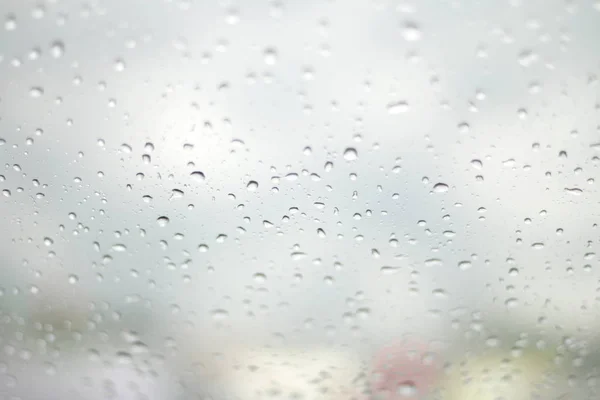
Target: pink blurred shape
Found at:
408, 369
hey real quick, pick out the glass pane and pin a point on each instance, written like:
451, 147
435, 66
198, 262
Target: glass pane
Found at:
299, 199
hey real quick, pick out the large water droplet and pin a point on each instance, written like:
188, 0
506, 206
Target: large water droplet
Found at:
119, 247
162, 221
350, 154
574, 191
440, 188
198, 176
252, 186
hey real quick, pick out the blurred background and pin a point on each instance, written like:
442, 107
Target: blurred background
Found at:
299, 199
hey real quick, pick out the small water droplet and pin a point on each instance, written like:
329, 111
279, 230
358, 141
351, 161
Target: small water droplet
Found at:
232, 17
202, 248
440, 188
511, 302
296, 256
219, 314
252, 186
176, 194
270, 56
574, 191
464, 265
198, 176
407, 389
162, 221
477, 164
527, 57
350, 154
398, 107
119, 65
411, 32
389, 270
11, 22
119, 247
259, 277
36, 92
57, 49
124, 358
433, 262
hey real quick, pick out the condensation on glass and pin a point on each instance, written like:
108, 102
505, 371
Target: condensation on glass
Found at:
299, 199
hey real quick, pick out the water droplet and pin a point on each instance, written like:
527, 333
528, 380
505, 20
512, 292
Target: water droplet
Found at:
162, 221
464, 265
477, 164
176, 194
57, 49
119, 247
36, 92
232, 17
35, 53
119, 65
219, 314
48, 241
319, 205
574, 191
511, 302
527, 58
350, 154
411, 32
389, 270
203, 248
398, 107
296, 256
538, 245
198, 176
440, 188
407, 389
125, 148
270, 55
11, 23
433, 262
124, 358
252, 186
